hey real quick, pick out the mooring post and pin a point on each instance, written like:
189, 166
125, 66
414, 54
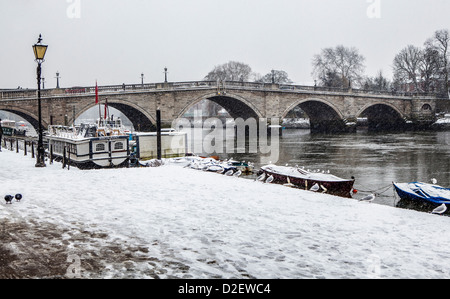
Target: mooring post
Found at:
158, 133
51, 153
64, 158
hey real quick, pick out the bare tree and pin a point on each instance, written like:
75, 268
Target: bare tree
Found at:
441, 42
406, 66
330, 79
379, 82
278, 77
230, 71
340, 61
430, 69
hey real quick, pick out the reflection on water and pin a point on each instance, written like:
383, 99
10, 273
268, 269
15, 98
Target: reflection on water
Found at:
374, 159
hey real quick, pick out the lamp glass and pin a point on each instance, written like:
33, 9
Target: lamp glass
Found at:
39, 51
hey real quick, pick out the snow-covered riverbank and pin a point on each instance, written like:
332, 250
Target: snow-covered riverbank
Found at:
173, 222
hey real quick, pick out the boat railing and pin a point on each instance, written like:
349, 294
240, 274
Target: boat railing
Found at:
62, 131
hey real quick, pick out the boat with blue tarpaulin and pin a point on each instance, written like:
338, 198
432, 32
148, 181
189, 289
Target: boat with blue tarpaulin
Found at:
423, 196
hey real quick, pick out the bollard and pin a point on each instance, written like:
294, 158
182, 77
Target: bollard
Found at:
158, 134
24, 147
51, 153
64, 158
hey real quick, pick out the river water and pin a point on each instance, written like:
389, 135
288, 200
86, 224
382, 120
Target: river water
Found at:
374, 159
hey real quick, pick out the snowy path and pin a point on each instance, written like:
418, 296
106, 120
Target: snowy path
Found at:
171, 222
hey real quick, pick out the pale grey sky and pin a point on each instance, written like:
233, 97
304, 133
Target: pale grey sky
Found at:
114, 41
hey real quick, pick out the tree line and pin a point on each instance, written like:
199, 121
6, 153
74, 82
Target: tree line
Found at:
415, 69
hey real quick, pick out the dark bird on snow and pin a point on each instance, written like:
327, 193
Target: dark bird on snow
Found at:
9, 198
18, 197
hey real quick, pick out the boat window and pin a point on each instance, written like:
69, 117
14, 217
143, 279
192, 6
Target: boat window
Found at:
118, 146
99, 147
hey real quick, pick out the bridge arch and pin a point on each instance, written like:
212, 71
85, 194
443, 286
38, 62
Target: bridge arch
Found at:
139, 117
235, 105
382, 116
28, 116
324, 116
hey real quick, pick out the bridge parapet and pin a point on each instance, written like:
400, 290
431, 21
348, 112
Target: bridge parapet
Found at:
196, 85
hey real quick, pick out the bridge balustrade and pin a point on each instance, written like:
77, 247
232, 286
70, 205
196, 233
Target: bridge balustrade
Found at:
32, 93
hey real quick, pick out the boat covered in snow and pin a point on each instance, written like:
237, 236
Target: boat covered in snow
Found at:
314, 181
243, 166
99, 145
421, 195
212, 164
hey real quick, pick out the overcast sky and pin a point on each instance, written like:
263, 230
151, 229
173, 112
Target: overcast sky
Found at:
114, 41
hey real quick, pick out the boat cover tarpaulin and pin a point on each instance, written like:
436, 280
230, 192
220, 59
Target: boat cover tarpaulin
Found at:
423, 191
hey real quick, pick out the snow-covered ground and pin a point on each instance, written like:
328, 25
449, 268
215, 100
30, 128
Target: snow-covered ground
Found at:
174, 222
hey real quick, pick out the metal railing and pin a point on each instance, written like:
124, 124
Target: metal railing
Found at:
195, 85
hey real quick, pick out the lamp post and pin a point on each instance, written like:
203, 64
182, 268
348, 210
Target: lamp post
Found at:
57, 79
39, 53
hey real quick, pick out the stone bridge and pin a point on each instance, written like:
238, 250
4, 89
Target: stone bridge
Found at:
329, 110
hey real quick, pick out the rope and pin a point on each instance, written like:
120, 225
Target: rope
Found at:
378, 192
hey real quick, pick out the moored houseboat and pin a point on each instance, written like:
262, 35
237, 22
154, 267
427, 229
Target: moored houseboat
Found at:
104, 144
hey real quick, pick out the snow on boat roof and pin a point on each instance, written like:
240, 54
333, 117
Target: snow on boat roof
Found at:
301, 173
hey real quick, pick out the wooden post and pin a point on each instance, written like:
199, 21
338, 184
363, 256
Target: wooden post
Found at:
24, 147
64, 158
51, 153
17, 145
32, 149
158, 130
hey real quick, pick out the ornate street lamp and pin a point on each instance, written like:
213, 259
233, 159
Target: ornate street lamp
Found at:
39, 53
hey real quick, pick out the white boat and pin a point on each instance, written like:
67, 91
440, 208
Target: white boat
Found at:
442, 123
8, 127
104, 144
13, 128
